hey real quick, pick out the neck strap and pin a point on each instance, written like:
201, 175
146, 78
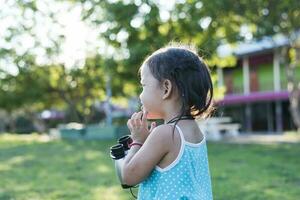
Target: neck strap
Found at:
184, 117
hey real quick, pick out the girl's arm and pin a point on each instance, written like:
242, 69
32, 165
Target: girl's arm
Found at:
140, 161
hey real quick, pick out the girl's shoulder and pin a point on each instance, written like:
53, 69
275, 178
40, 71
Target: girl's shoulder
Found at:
162, 134
163, 131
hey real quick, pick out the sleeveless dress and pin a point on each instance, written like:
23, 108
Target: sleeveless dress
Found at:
186, 178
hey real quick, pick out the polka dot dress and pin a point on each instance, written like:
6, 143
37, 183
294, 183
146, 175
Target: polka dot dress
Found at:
187, 178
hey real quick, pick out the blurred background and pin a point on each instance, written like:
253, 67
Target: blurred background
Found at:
69, 69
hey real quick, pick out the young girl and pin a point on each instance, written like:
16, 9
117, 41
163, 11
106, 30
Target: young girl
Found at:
170, 161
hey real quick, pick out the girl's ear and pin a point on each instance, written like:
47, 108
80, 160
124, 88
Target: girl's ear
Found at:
167, 89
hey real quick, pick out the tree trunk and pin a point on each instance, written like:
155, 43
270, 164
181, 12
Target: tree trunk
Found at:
39, 124
11, 122
294, 93
293, 87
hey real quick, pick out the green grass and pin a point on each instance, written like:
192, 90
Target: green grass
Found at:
31, 169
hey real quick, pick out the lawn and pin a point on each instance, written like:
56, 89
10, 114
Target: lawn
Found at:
33, 169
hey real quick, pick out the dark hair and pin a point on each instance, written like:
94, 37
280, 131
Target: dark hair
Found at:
190, 75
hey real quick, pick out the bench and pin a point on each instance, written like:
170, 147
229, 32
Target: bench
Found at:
216, 128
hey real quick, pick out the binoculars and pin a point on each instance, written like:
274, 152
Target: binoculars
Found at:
118, 153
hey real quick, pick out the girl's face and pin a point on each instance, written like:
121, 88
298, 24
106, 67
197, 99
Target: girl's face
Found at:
151, 94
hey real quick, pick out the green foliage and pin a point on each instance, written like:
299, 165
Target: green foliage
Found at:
206, 24
297, 73
31, 168
238, 80
265, 77
28, 88
41, 87
135, 30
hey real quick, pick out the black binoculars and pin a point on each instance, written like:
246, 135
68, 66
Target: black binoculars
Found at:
118, 152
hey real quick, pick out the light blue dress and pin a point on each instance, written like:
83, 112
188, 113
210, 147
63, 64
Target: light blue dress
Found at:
186, 178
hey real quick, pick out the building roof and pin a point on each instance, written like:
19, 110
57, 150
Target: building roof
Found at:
253, 47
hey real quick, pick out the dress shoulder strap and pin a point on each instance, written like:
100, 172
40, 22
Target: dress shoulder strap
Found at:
180, 133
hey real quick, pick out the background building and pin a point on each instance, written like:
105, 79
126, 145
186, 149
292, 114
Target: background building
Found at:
256, 88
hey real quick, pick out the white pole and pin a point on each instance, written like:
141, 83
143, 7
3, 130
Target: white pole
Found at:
220, 77
108, 99
276, 71
246, 75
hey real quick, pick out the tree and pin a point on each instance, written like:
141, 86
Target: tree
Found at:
135, 29
207, 24
35, 85
293, 84
79, 88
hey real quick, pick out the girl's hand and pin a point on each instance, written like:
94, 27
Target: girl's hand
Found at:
138, 126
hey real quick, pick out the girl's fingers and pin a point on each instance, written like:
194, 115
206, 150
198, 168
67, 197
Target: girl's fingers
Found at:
133, 115
134, 119
129, 125
137, 122
133, 122
144, 117
153, 125
139, 115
